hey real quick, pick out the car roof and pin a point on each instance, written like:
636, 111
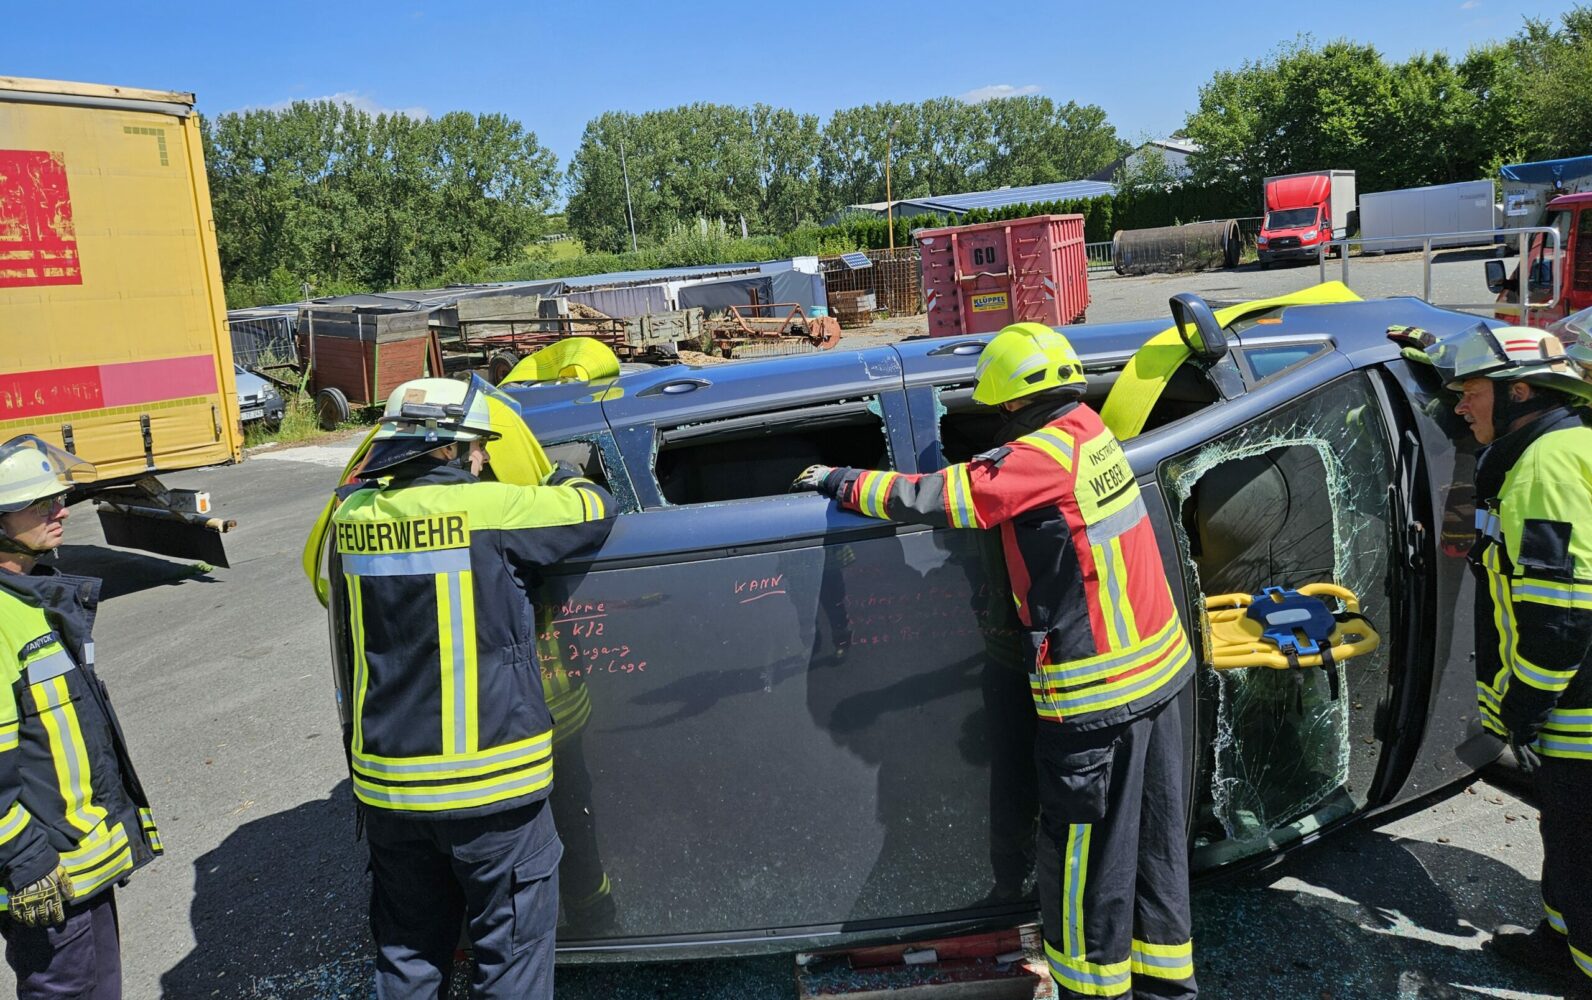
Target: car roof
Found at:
1355, 327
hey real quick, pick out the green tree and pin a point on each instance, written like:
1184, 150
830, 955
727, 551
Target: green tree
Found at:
326, 193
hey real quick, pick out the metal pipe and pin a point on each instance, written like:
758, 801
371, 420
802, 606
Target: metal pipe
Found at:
1426, 270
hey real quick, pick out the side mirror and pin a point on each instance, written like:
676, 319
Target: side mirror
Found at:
1197, 325
1497, 277
1542, 274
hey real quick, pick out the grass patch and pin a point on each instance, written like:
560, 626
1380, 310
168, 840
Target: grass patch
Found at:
299, 426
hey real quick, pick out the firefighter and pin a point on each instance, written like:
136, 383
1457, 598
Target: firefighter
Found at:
450, 742
74, 821
1532, 557
1107, 658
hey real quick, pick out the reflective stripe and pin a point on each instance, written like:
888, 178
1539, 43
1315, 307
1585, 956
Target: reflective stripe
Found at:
873, 491
67, 753
1110, 597
595, 508
1560, 596
464, 590
1488, 524
1053, 442
1555, 918
8, 736
1538, 677
450, 645
431, 798
1094, 979
959, 498
146, 819
1112, 694
1164, 961
361, 679
16, 818
1573, 749
408, 563
1102, 667
49, 667
1072, 886
1113, 525
523, 753
1119, 563
1583, 961
1503, 620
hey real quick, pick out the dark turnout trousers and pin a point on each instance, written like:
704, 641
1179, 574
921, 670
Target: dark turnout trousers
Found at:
497, 874
1564, 793
79, 960
1113, 858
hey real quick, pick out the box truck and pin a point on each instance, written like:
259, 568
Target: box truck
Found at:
1466, 206
111, 306
1302, 211
1528, 187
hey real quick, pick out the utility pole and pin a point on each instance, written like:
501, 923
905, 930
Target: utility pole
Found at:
630, 215
889, 202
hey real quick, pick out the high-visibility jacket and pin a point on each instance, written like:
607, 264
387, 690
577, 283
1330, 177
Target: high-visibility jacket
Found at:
68, 793
1533, 563
432, 574
1084, 566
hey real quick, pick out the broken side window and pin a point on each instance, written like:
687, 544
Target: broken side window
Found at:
593, 456
1297, 497
759, 454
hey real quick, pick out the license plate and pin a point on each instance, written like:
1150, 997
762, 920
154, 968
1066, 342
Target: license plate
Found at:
254, 414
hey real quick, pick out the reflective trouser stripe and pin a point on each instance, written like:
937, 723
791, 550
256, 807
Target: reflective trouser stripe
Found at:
1583, 961
8, 736
1093, 979
67, 752
13, 823
1555, 918
1164, 961
1075, 874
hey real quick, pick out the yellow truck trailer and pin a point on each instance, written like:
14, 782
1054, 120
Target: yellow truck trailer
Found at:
113, 334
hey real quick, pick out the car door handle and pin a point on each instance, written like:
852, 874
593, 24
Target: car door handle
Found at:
965, 348
676, 386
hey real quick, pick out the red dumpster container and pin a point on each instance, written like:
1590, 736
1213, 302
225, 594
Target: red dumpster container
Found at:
980, 278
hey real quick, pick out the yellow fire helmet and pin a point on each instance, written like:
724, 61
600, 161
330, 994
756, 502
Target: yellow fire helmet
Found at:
32, 469
1023, 359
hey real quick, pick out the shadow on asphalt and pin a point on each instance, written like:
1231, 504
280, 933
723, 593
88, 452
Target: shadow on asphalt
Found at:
279, 910
1370, 916
126, 573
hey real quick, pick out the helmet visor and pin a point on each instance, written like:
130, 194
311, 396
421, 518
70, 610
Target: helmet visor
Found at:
1471, 353
1575, 333
31, 469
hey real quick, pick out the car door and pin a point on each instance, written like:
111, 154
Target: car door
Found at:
782, 720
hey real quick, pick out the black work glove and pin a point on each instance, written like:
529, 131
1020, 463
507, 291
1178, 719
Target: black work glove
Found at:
820, 478
1528, 759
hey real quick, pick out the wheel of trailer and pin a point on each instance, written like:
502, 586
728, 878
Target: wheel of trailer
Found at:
499, 365
331, 408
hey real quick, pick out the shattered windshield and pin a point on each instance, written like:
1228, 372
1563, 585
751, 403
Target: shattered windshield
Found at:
1296, 500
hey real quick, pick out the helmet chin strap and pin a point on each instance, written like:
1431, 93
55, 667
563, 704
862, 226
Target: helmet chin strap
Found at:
9, 544
1506, 410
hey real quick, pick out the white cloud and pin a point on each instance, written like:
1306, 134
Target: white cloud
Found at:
352, 98
1470, 5
997, 90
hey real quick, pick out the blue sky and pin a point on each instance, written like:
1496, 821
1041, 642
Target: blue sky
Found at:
553, 66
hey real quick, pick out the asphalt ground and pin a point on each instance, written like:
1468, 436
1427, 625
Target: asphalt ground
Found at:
222, 683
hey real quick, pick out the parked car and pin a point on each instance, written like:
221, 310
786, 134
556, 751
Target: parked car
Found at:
258, 400
779, 724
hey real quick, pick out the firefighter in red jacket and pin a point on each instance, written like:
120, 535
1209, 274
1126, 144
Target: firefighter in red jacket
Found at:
1109, 657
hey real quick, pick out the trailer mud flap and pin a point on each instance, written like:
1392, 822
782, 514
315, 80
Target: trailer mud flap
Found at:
164, 532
